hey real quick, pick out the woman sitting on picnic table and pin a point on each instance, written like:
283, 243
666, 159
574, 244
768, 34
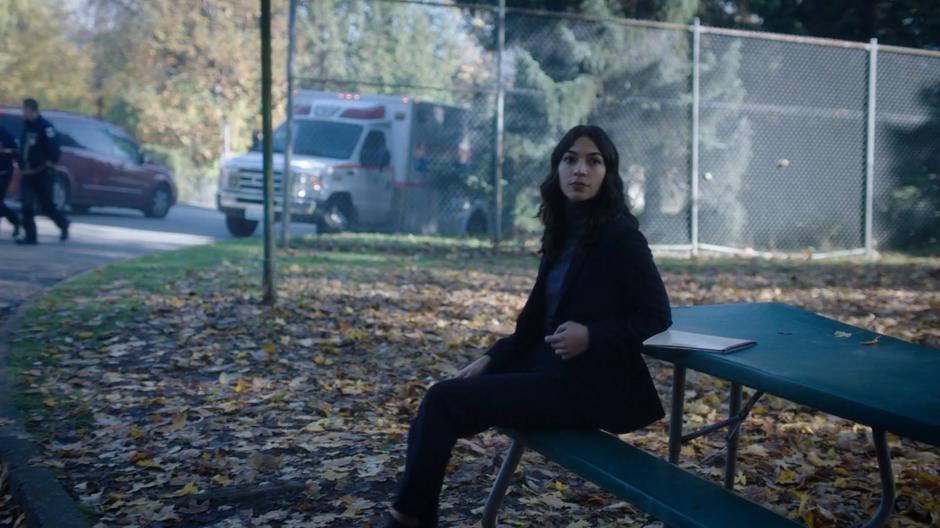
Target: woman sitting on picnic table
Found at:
574, 360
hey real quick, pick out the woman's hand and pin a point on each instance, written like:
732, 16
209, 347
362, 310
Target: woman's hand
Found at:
474, 369
569, 340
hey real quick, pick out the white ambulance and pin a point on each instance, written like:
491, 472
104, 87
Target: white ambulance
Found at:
364, 162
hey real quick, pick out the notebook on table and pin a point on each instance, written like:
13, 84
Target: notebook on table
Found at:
677, 339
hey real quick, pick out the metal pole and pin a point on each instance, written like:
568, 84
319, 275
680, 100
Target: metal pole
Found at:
226, 140
502, 483
870, 145
268, 277
883, 453
696, 56
675, 415
287, 178
731, 452
500, 99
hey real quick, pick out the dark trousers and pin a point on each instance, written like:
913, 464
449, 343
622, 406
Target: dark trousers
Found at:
6, 212
38, 187
459, 408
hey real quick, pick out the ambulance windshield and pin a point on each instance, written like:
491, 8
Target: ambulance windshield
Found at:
325, 139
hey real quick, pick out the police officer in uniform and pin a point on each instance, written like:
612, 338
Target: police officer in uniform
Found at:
39, 152
7, 153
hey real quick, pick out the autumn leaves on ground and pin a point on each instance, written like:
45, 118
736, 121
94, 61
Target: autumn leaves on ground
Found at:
165, 394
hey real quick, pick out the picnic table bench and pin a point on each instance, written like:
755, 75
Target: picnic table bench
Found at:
888, 385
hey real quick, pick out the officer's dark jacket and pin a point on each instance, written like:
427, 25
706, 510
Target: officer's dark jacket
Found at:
613, 287
39, 147
7, 152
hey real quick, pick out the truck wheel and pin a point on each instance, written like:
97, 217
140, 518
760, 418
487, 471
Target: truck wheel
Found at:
338, 216
476, 227
239, 227
160, 202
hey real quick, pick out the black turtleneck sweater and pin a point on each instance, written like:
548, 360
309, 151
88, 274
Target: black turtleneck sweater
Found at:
577, 215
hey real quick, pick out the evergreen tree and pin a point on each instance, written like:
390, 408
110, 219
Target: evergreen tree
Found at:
636, 83
387, 43
909, 213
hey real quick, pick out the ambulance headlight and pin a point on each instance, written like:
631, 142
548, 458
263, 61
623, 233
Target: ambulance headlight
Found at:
229, 178
306, 184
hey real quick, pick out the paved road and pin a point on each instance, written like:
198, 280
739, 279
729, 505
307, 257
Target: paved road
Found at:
98, 237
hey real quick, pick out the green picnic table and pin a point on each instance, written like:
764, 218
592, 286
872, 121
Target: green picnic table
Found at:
879, 381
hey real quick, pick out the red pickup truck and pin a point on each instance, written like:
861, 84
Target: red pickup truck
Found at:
101, 165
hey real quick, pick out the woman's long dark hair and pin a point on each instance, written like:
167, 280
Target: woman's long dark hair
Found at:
608, 203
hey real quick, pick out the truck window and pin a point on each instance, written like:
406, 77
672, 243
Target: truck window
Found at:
320, 138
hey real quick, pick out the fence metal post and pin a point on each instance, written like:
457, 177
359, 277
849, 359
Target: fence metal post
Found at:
870, 145
500, 98
226, 140
287, 177
268, 272
696, 56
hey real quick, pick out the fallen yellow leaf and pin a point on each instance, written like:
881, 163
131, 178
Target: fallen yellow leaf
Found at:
787, 477
179, 421
149, 464
189, 489
135, 433
241, 385
317, 426
137, 457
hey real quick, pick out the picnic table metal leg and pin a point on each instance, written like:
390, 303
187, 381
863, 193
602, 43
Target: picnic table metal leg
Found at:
887, 480
731, 451
502, 483
675, 417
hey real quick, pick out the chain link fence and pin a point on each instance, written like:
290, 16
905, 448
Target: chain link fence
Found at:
782, 145
906, 190
730, 141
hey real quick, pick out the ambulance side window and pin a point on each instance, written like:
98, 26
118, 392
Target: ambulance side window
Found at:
374, 150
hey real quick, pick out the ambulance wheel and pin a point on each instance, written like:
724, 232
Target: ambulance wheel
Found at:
338, 216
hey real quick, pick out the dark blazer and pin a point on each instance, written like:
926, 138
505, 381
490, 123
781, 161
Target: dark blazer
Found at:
39, 147
613, 287
7, 152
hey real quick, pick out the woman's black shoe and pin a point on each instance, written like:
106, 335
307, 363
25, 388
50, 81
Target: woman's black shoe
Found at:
26, 241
